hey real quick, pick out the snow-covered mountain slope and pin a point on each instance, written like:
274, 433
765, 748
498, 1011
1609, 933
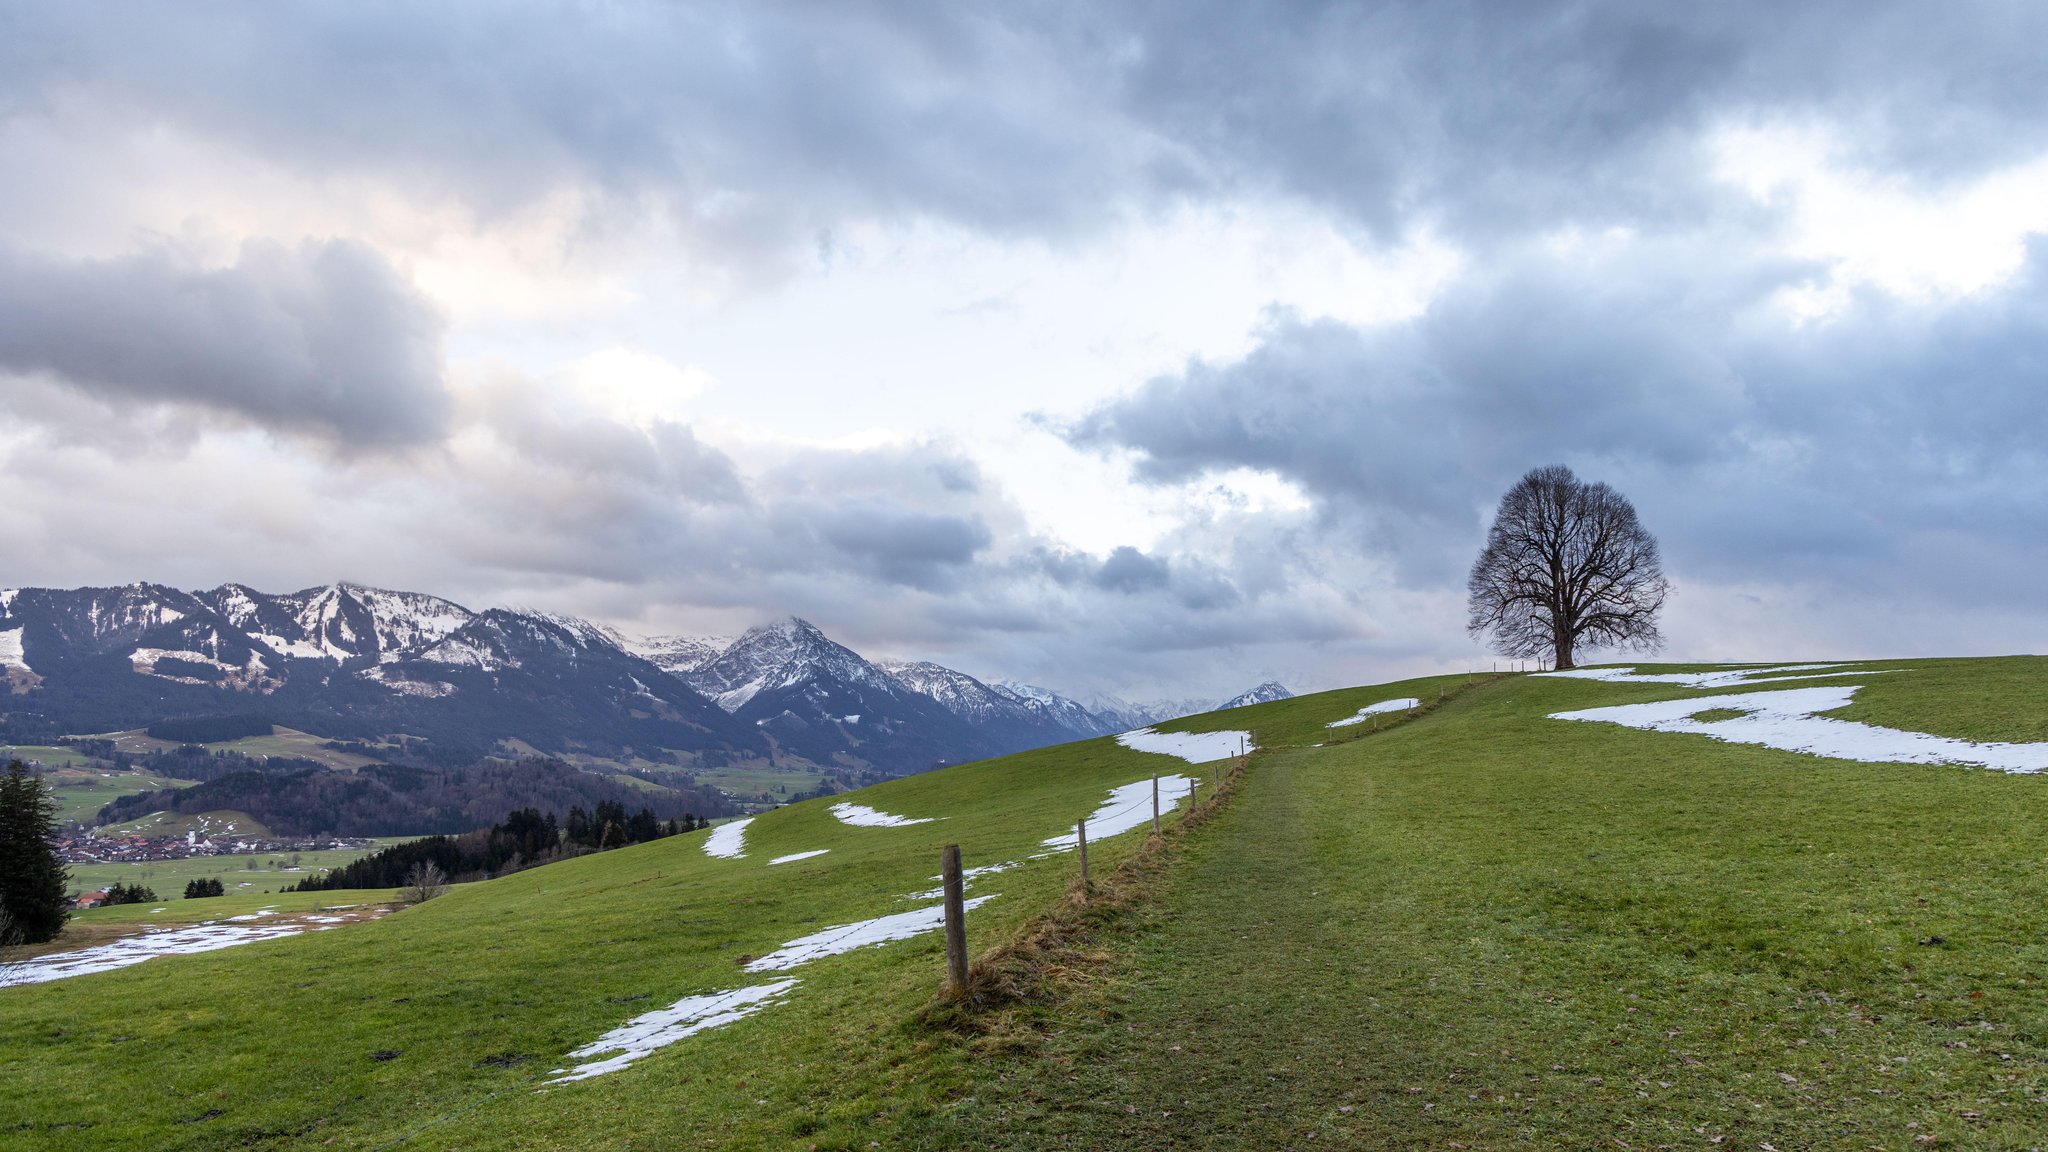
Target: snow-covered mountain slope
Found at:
1125, 716
677, 653
825, 702
957, 692
1269, 691
784, 654
1070, 715
354, 662
339, 623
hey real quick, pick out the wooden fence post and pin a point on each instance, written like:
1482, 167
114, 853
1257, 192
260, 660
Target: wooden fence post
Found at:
1081, 840
1155, 803
956, 922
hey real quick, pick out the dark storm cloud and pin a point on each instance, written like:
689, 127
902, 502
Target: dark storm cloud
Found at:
1841, 450
769, 123
324, 339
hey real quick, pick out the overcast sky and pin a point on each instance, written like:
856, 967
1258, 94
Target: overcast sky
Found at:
1150, 348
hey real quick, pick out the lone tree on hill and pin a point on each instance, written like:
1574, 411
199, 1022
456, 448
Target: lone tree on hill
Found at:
32, 900
1566, 564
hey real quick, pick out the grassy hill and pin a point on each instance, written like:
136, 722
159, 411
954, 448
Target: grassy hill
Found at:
1475, 927
368, 1033
1489, 929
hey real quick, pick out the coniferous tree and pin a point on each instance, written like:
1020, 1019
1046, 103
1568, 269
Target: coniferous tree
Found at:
32, 879
643, 827
129, 894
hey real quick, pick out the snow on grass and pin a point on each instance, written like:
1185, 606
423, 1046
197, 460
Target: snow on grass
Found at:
136, 949
1790, 719
1724, 678
728, 841
210, 936
1193, 747
866, 933
862, 816
967, 878
664, 1026
1128, 806
1370, 710
799, 856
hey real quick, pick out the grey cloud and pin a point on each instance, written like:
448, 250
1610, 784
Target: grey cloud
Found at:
324, 339
1860, 450
1128, 570
776, 121
900, 545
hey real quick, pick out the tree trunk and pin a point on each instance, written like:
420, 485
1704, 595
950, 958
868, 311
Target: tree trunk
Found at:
1564, 655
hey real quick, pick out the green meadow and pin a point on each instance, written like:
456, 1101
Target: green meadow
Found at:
249, 872
1470, 927
81, 791
1487, 929
444, 1018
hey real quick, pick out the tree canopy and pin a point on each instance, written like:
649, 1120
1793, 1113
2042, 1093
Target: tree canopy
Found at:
1566, 565
33, 903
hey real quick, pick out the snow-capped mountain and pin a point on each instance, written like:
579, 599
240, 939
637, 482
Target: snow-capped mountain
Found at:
353, 662
1124, 715
347, 662
827, 703
1269, 691
1066, 714
961, 694
677, 653
1017, 714
339, 622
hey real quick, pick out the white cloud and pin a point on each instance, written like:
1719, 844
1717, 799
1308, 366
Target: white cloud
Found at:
1872, 228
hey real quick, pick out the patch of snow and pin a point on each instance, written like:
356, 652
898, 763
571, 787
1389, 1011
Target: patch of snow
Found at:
1370, 710
1725, 678
1193, 747
645, 1033
853, 719
136, 949
298, 649
862, 816
1128, 807
11, 656
462, 653
144, 660
799, 856
7, 596
405, 686
1790, 720
968, 876
675, 653
866, 933
728, 841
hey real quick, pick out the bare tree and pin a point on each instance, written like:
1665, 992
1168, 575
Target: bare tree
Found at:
1566, 564
424, 882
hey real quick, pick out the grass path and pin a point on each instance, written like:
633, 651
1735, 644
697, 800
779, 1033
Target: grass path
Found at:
1490, 930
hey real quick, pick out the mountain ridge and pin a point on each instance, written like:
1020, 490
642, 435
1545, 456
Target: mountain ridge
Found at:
351, 661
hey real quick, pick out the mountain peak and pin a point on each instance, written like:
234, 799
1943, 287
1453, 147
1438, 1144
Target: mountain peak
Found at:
1265, 693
